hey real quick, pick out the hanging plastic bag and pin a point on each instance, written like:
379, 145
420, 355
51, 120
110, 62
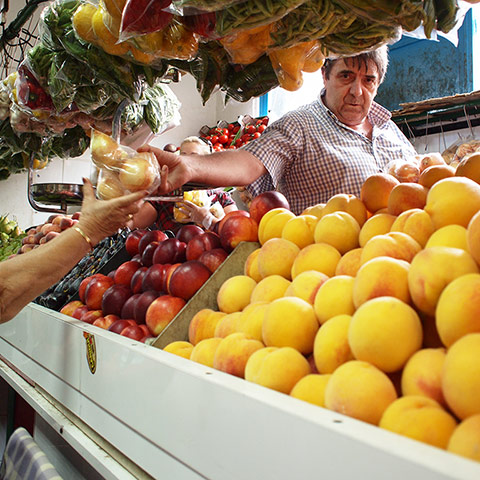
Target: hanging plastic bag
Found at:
121, 169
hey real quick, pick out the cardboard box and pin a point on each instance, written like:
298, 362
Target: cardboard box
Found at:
206, 297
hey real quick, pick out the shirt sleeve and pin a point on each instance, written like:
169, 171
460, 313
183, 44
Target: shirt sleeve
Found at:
277, 149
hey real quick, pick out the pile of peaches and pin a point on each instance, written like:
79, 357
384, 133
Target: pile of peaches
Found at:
368, 306
37, 236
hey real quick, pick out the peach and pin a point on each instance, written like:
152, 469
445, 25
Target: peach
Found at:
381, 277
234, 294
406, 196
311, 388
338, 229
269, 289
378, 224
334, 297
376, 190
203, 324
272, 223
422, 374
465, 439
180, 348
453, 201
233, 353
276, 368
449, 236
429, 160
435, 173
331, 348
139, 172
299, 230
228, 324
251, 320
349, 263
251, 266
461, 376
458, 309
385, 332
393, 244
319, 256
420, 418
276, 257
469, 167
290, 322
315, 210
432, 270
473, 237
416, 223
306, 285
359, 390
347, 203
204, 351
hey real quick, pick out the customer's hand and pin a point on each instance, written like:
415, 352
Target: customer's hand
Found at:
102, 218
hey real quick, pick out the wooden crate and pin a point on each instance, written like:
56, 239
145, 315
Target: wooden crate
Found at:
206, 297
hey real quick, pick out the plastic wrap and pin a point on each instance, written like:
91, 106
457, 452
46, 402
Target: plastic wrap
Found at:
311, 20
198, 197
203, 5
248, 45
140, 17
121, 169
175, 41
289, 63
250, 14
408, 14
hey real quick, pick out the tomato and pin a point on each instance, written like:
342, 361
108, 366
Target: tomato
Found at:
208, 137
251, 129
265, 120
236, 129
238, 142
231, 126
261, 128
223, 138
256, 135
259, 122
232, 147
245, 137
224, 131
214, 139
217, 147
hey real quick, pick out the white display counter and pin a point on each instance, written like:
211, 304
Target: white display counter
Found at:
177, 419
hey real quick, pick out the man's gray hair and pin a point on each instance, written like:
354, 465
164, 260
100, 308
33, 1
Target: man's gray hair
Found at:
378, 56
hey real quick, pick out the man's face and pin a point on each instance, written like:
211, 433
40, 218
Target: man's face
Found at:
350, 90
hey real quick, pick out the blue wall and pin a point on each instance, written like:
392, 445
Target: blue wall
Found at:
422, 69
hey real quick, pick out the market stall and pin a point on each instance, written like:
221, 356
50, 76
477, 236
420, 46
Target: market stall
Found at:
106, 356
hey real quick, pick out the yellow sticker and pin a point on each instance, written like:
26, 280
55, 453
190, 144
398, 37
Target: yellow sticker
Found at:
91, 351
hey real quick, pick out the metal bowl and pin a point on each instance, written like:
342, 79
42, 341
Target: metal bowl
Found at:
57, 193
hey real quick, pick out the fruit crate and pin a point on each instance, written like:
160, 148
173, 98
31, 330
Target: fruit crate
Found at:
206, 297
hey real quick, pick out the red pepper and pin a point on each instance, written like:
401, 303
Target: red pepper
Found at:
145, 16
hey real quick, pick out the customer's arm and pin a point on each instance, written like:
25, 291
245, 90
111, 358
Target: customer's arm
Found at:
24, 277
232, 167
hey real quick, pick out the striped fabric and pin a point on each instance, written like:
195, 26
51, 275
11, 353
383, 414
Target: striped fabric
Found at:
311, 156
23, 460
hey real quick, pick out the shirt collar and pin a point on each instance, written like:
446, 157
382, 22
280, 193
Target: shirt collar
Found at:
377, 115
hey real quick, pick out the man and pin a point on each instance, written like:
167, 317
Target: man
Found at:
328, 147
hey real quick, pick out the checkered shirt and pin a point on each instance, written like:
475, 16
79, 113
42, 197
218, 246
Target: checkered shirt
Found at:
310, 155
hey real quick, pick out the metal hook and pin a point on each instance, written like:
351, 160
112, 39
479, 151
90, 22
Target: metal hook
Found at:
426, 133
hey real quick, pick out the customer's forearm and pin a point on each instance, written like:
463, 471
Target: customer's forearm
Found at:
26, 276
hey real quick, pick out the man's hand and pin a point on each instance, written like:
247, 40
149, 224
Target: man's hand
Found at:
196, 214
174, 171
